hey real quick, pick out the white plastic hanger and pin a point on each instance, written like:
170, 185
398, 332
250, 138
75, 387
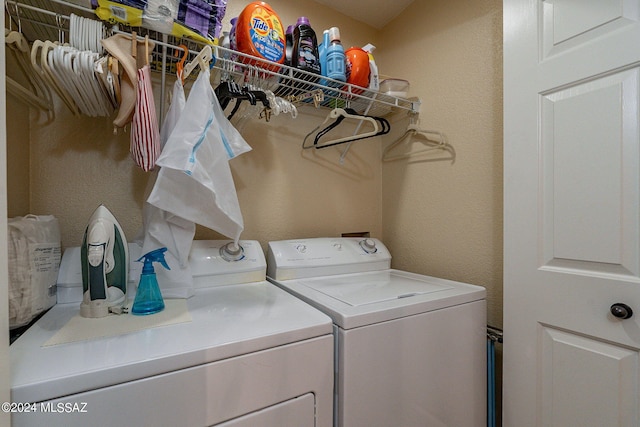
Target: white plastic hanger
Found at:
84, 65
86, 33
17, 39
202, 60
414, 134
25, 95
39, 55
74, 72
63, 62
106, 80
37, 94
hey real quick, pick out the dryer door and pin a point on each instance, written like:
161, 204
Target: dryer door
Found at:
298, 412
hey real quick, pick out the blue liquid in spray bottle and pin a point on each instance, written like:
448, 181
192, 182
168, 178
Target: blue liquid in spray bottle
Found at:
148, 297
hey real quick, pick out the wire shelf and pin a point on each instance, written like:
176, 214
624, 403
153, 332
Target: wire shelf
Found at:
302, 86
49, 20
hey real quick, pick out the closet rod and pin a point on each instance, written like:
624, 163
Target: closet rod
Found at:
17, 5
115, 28
73, 5
33, 21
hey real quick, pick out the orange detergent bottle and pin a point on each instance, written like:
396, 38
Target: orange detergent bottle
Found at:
259, 33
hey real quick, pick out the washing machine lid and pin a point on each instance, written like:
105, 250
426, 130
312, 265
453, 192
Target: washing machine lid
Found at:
372, 288
360, 299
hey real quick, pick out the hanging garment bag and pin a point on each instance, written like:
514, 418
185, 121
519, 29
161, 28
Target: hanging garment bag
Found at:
195, 181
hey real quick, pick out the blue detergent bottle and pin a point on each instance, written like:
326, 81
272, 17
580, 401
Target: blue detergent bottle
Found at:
335, 57
322, 53
148, 297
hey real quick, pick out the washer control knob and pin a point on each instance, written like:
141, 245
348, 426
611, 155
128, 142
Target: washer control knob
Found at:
621, 311
369, 246
232, 252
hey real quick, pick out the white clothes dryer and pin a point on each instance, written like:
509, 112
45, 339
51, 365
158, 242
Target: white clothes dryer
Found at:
410, 349
250, 355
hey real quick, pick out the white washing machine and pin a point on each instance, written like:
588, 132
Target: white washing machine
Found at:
410, 349
250, 355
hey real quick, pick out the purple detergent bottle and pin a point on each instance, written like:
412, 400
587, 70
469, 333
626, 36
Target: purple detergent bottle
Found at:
305, 47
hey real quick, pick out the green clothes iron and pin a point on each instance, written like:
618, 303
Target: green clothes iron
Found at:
105, 265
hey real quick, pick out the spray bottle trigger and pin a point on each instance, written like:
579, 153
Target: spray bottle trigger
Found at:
156, 255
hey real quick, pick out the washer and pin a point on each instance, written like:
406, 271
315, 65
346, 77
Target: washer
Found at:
410, 349
251, 355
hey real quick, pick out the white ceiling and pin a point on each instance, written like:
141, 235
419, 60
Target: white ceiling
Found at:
376, 13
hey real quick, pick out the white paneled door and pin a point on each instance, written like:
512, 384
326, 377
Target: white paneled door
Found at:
572, 213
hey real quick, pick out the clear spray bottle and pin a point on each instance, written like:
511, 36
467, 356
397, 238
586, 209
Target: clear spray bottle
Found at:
148, 297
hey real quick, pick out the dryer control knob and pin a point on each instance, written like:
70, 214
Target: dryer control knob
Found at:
232, 252
369, 246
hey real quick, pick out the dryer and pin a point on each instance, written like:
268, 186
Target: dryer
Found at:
251, 354
410, 349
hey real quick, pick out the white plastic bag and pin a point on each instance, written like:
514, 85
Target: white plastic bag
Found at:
34, 260
233, 142
195, 181
164, 229
159, 15
178, 101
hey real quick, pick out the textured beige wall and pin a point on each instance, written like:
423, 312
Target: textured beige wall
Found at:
18, 146
77, 163
444, 218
